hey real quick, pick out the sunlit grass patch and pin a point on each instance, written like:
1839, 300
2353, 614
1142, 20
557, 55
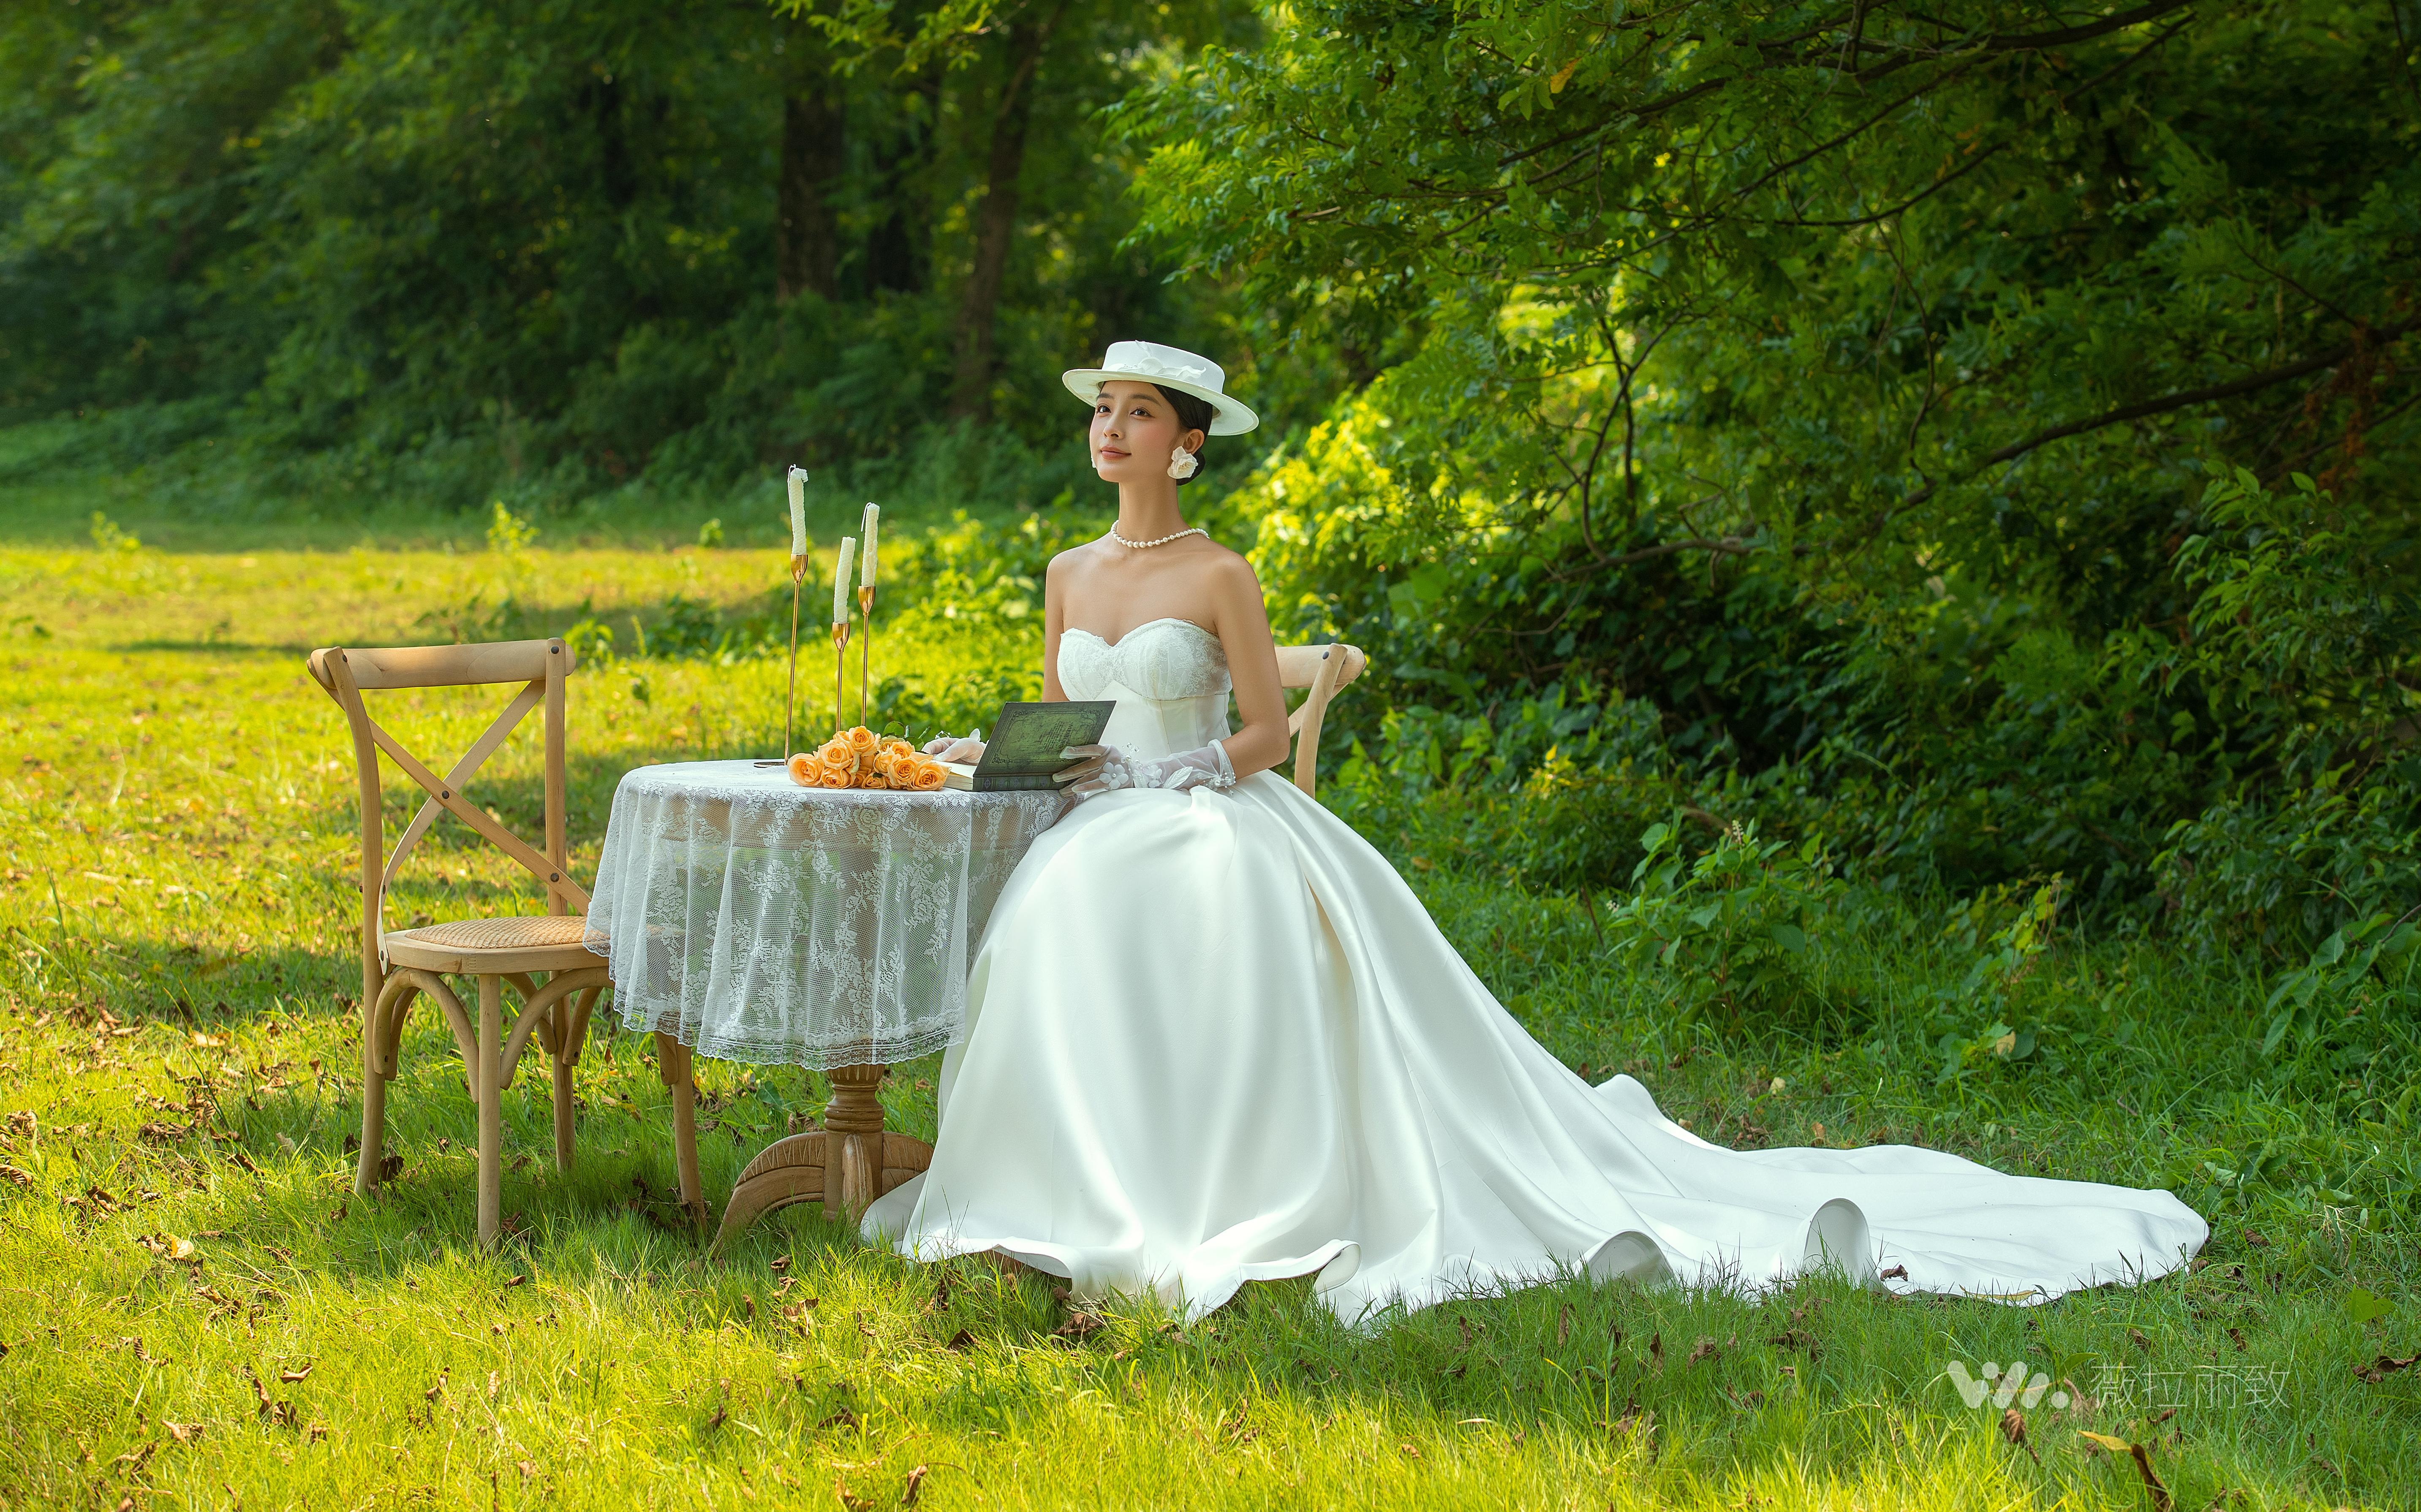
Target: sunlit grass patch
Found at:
197, 1309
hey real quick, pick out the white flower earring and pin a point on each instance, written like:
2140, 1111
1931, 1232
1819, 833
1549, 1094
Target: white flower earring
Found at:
1182, 465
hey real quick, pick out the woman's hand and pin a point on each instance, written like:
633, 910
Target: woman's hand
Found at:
1097, 770
967, 748
1208, 767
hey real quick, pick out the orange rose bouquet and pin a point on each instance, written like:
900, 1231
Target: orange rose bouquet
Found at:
859, 757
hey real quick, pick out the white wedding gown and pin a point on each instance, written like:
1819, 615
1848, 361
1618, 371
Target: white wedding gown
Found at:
1212, 1037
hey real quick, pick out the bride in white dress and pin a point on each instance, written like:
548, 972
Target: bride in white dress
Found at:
1211, 1036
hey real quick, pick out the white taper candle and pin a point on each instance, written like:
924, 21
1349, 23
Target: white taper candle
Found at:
798, 511
866, 555
841, 580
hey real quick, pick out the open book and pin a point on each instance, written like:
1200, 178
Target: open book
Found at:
1023, 752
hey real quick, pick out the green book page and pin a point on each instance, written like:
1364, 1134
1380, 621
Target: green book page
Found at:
1027, 741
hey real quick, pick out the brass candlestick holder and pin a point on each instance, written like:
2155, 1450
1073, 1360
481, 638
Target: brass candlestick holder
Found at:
866, 653
840, 673
790, 699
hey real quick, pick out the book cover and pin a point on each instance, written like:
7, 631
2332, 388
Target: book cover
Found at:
1022, 754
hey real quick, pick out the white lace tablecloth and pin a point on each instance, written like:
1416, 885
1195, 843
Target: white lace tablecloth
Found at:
757, 920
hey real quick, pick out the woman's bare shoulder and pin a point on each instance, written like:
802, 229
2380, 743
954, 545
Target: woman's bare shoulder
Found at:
1225, 566
1074, 559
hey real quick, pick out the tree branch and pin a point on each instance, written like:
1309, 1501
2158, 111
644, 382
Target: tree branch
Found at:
2247, 385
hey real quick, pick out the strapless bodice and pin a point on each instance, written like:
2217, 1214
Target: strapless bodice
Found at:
1168, 678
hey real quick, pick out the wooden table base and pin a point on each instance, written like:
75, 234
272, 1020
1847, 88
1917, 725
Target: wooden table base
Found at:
845, 1165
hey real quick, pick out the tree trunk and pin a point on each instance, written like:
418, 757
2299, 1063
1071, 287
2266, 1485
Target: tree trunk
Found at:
898, 248
996, 217
807, 243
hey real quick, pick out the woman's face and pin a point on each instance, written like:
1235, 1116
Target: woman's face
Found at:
1135, 430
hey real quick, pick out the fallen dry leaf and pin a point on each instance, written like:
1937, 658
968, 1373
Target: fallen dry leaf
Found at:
2013, 1428
2159, 1493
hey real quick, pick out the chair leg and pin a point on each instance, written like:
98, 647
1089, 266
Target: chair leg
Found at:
561, 1015
366, 1175
673, 1063
485, 1077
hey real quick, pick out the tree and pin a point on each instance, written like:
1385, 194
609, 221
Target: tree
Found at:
1841, 376
815, 167
434, 245
1013, 110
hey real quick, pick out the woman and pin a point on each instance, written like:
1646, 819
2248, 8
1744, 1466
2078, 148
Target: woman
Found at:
1211, 1036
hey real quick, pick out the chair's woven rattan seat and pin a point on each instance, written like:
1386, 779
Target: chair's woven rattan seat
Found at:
541, 942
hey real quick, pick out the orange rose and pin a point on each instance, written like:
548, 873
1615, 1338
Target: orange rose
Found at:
863, 742
833, 777
873, 779
930, 776
804, 768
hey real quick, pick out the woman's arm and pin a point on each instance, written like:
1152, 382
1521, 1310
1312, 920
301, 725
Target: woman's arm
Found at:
1244, 627
1054, 618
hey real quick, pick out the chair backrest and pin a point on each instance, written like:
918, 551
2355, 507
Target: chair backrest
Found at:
1323, 669
346, 672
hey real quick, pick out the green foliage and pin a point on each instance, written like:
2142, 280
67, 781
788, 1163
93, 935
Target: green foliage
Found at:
1838, 382
108, 536
2001, 961
2363, 968
1729, 930
450, 249
508, 534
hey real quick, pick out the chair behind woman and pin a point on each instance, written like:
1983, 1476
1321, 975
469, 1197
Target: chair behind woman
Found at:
1323, 670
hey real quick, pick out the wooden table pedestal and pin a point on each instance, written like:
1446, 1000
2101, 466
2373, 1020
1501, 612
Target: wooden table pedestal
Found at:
845, 1165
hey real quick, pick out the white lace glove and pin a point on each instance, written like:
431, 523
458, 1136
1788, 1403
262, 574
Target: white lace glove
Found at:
968, 748
1205, 768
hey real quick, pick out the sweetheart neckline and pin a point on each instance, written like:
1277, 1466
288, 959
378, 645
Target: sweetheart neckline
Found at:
1135, 630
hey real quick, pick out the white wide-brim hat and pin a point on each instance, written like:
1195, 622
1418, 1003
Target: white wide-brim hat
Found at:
1170, 367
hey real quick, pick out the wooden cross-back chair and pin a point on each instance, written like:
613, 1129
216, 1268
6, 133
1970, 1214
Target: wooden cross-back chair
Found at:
1323, 670
400, 966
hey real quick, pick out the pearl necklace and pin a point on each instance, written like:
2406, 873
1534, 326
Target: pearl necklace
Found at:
1143, 545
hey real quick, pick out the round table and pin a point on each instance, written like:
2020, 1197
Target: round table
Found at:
745, 917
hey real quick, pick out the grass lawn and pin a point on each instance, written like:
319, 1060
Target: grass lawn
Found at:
196, 1311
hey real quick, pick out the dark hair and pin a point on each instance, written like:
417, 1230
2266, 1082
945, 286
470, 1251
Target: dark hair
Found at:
1194, 415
